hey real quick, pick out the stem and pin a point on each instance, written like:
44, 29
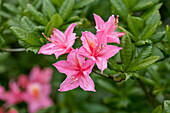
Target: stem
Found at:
148, 95
107, 76
13, 50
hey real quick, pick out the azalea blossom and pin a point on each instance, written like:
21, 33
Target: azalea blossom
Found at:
11, 110
95, 47
61, 43
77, 70
38, 89
109, 27
13, 96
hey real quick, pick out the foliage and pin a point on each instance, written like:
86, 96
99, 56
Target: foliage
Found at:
139, 73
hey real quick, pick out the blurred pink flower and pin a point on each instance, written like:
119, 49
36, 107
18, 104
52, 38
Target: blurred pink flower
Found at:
77, 70
38, 89
95, 47
13, 96
109, 27
60, 43
12, 110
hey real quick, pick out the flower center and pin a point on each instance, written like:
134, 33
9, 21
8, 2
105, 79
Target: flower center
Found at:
35, 90
76, 77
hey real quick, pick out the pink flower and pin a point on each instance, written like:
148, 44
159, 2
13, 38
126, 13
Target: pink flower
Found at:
12, 110
95, 47
13, 96
60, 43
77, 70
109, 27
38, 89
37, 96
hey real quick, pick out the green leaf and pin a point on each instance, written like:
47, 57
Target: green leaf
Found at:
143, 64
167, 35
126, 52
158, 109
133, 25
73, 19
37, 3
55, 22
148, 31
151, 11
128, 33
33, 49
39, 17
2, 41
82, 3
5, 15
107, 86
23, 3
113, 65
12, 8
66, 8
167, 106
129, 4
145, 52
144, 4
157, 37
58, 2
23, 35
27, 24
48, 9
120, 8
154, 18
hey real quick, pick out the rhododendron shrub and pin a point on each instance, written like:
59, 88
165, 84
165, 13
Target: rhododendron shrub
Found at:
107, 56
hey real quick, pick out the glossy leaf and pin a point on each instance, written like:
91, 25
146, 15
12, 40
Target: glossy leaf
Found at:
23, 35
66, 8
126, 52
167, 35
48, 9
157, 37
58, 2
23, 3
158, 109
2, 41
143, 64
55, 22
120, 8
28, 24
167, 106
148, 31
144, 4
38, 16
82, 3
33, 49
113, 65
12, 8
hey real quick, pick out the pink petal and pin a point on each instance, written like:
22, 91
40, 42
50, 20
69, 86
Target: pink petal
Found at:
12, 110
90, 42
86, 83
101, 63
99, 22
33, 107
68, 84
111, 25
23, 81
69, 32
35, 74
85, 53
46, 102
14, 87
48, 49
75, 58
2, 92
102, 38
46, 75
66, 67
58, 36
115, 37
88, 65
109, 51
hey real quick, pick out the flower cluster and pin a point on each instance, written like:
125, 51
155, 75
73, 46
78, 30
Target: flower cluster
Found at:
34, 90
95, 48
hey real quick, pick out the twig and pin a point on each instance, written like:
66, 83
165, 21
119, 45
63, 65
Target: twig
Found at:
13, 50
107, 76
149, 97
